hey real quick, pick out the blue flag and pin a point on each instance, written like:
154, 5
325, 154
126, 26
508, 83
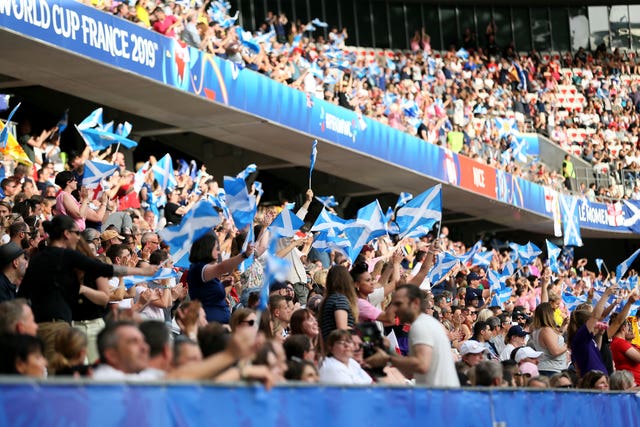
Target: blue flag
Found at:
201, 219
471, 253
368, 225
622, 268
285, 225
99, 136
312, 162
443, 264
248, 240
163, 173
482, 259
242, 206
161, 274
63, 122
275, 270
328, 241
424, 210
570, 220
328, 221
553, 252
403, 198
599, 263
95, 171
631, 209
328, 201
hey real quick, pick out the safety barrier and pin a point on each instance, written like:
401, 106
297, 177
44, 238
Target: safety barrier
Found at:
158, 405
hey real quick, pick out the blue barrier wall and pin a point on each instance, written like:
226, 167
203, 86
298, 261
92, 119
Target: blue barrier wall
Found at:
78, 28
47, 404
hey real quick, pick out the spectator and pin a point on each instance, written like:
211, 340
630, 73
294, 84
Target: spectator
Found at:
14, 265
22, 355
339, 308
16, 317
339, 367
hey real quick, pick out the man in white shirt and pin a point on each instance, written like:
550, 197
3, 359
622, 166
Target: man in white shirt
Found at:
430, 361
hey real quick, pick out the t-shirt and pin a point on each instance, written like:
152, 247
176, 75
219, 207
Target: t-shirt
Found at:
585, 353
367, 312
426, 330
333, 303
619, 347
170, 213
211, 294
334, 371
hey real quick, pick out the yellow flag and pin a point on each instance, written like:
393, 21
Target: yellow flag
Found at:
14, 150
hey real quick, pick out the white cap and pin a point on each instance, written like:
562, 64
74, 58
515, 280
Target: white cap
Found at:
471, 347
525, 352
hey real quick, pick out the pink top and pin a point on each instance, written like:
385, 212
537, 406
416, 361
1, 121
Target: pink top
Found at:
60, 208
366, 311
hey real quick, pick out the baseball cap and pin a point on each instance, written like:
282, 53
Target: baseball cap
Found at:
9, 252
110, 234
516, 331
473, 276
471, 347
529, 368
527, 352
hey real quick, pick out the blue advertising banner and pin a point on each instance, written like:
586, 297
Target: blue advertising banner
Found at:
81, 29
168, 405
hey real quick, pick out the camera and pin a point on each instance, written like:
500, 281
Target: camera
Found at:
371, 338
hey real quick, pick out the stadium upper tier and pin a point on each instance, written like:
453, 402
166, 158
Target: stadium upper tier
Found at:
470, 108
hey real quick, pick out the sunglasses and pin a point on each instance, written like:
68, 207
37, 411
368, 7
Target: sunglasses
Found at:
249, 322
564, 386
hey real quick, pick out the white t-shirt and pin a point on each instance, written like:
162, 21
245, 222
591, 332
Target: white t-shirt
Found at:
333, 371
442, 371
108, 373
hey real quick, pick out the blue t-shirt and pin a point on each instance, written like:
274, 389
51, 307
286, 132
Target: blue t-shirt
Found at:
211, 294
585, 353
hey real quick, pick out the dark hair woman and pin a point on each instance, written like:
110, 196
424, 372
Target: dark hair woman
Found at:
80, 211
339, 309
51, 282
204, 276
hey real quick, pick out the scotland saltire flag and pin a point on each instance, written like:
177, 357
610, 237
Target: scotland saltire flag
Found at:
506, 127
570, 220
196, 223
482, 259
328, 241
508, 270
285, 225
462, 53
275, 270
312, 160
501, 297
242, 206
468, 256
319, 23
631, 209
496, 280
244, 174
622, 268
4, 133
368, 225
163, 173
599, 263
247, 262
424, 210
138, 179
553, 252
572, 301
99, 136
63, 122
403, 199
95, 171
443, 264
328, 221
161, 274
328, 201
527, 253
518, 150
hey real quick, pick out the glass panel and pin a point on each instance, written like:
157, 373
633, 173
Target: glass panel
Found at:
272, 5
522, 35
483, 18
248, 18
619, 26
414, 20
449, 27
468, 33
540, 29
380, 24
432, 26
316, 12
260, 12
364, 24
502, 17
634, 20
302, 13
598, 26
348, 19
286, 7
559, 29
579, 28
398, 30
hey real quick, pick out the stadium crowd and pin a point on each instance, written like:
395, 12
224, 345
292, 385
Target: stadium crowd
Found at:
473, 100
67, 308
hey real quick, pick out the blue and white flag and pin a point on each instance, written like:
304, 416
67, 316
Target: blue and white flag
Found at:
247, 171
444, 263
275, 270
368, 225
285, 225
468, 256
462, 53
319, 23
328, 241
63, 122
570, 220
506, 127
243, 207
424, 210
4, 133
622, 268
519, 150
631, 210
328, 201
248, 240
508, 270
501, 297
527, 253
161, 274
163, 173
599, 263
312, 161
95, 171
201, 219
553, 252
403, 199
496, 280
572, 301
99, 136
328, 221
482, 259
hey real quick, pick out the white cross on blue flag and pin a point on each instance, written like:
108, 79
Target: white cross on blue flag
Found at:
95, 171
422, 211
570, 220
